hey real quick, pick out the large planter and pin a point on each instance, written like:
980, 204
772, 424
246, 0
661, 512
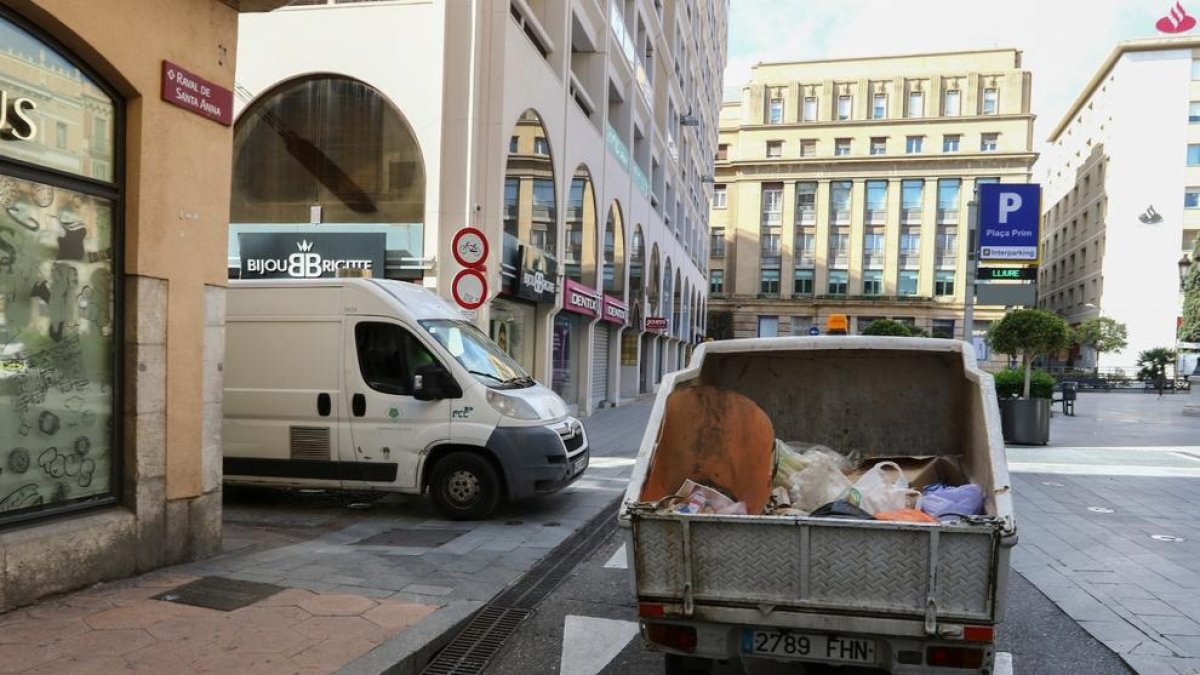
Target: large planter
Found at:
1025, 421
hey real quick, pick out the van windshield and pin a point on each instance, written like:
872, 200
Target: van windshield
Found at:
478, 354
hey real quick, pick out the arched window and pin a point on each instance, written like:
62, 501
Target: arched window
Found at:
529, 191
579, 253
614, 252
327, 141
60, 256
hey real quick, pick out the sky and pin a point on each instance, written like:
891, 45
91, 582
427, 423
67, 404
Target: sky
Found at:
1064, 41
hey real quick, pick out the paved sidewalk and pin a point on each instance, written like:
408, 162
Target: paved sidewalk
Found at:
363, 585
1088, 516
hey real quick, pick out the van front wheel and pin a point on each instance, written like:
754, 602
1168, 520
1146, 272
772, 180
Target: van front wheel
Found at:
464, 486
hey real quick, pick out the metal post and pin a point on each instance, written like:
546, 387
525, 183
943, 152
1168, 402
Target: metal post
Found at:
972, 263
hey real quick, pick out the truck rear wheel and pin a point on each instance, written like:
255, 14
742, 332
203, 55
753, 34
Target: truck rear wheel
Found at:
673, 664
464, 486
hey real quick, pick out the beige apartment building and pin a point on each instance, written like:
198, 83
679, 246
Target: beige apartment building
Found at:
842, 187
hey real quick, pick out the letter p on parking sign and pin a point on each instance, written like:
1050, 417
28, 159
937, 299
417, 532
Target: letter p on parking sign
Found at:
1010, 221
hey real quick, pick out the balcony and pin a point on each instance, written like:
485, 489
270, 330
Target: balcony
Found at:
910, 216
947, 216
910, 259
873, 261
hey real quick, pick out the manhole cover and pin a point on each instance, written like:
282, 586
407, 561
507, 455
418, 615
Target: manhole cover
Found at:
219, 593
1100, 509
422, 538
1166, 537
1050, 483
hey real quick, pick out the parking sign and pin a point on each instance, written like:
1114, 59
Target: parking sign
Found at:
1010, 218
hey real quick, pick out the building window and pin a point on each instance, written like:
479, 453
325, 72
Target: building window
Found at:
839, 202
808, 147
988, 142
771, 221
802, 283
913, 144
722, 152
943, 283
912, 198
58, 280
810, 108
878, 146
879, 107
916, 104
775, 114
951, 107
876, 202
1193, 156
769, 282
774, 148
1191, 198
805, 247
801, 325
716, 282
946, 246
950, 142
806, 203
948, 191
942, 328
718, 198
910, 247
768, 326
906, 282
873, 242
841, 147
513, 145
541, 146
843, 107
873, 282
717, 242
991, 101
839, 247
839, 282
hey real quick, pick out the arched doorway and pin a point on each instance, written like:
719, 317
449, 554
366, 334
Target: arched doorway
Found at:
529, 267
609, 351
327, 160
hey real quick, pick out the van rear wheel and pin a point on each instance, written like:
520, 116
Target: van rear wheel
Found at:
464, 486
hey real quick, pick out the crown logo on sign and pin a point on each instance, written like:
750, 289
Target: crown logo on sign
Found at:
304, 245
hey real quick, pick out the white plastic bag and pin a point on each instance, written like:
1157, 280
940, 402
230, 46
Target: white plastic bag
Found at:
819, 483
883, 488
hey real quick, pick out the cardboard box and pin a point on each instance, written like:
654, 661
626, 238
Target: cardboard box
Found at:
918, 471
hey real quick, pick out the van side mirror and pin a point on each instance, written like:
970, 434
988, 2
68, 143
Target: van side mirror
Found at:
431, 382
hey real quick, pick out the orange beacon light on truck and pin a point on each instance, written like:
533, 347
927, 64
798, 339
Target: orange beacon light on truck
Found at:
837, 324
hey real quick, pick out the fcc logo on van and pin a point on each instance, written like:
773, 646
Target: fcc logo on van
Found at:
286, 255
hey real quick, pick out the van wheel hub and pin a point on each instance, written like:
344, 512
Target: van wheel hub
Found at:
463, 487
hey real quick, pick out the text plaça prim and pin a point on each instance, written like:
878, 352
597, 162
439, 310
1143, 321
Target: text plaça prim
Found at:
1005, 234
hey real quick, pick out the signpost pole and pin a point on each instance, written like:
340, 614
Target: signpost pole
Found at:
972, 263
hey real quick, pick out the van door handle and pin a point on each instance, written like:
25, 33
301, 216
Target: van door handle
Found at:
324, 405
358, 405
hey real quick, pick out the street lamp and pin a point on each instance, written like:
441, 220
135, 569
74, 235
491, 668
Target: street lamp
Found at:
1185, 264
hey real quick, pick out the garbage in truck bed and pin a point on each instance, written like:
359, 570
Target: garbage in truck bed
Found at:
717, 455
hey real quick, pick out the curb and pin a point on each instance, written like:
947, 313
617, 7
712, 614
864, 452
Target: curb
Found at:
409, 652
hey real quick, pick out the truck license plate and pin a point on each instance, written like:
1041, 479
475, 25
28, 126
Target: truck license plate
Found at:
805, 646
580, 465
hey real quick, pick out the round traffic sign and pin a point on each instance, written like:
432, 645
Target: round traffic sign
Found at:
470, 247
813, 330
469, 289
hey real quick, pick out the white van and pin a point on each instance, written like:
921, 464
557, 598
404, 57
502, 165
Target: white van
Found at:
369, 384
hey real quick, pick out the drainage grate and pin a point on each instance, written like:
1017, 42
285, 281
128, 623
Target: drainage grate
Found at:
219, 593
417, 538
474, 647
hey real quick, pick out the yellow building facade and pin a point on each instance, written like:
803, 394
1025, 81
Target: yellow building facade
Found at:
843, 187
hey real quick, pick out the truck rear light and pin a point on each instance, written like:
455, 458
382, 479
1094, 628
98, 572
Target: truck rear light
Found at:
679, 638
651, 610
954, 657
979, 633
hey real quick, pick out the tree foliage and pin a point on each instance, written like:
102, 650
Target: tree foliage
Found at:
720, 324
1154, 362
889, 327
1103, 334
1029, 333
1189, 331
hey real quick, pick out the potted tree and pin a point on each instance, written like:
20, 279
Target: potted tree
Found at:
1028, 333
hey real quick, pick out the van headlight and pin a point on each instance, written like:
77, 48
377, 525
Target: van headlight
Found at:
511, 406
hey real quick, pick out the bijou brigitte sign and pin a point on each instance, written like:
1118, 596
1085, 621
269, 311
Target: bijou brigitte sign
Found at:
307, 255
